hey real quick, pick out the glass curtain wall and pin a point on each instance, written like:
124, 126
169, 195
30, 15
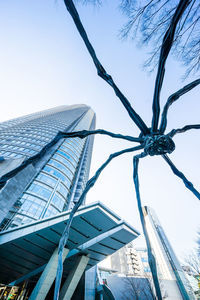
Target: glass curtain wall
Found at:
67, 170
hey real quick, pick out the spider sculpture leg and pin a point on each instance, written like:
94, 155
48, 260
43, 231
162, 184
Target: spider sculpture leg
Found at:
187, 183
60, 135
165, 49
172, 99
101, 71
166, 46
151, 258
65, 234
84, 133
173, 132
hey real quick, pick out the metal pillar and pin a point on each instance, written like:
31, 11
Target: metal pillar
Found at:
73, 278
47, 278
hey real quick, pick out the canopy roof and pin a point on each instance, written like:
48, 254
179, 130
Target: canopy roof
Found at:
96, 231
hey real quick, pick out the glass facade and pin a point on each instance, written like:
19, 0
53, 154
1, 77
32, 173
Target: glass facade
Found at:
62, 175
170, 274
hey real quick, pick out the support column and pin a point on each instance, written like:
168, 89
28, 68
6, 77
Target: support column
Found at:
73, 278
47, 278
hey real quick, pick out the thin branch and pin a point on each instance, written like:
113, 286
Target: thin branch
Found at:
186, 17
188, 47
151, 258
149, 36
155, 29
172, 99
183, 129
65, 234
132, 19
193, 261
165, 49
189, 35
192, 26
100, 69
150, 18
152, 60
60, 135
187, 183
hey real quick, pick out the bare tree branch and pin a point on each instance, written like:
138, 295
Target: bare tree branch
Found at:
193, 261
127, 6
151, 18
181, 26
100, 69
172, 99
65, 235
151, 258
178, 173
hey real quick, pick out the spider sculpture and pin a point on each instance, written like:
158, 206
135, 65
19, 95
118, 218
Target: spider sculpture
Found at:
152, 141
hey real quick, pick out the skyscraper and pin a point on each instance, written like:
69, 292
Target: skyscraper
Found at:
36, 203
52, 183
174, 284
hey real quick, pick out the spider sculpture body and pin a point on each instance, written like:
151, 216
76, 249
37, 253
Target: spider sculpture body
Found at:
152, 141
158, 144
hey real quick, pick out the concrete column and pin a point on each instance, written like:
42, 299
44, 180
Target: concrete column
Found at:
47, 278
73, 278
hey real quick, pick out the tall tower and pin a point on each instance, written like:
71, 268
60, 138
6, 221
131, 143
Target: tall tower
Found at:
35, 206
55, 181
174, 284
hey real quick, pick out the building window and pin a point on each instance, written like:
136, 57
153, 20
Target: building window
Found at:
58, 174
42, 191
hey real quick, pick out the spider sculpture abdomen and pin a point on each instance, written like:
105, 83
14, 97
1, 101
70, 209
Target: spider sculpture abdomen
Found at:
158, 144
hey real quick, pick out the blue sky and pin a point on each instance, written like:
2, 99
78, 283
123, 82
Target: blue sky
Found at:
44, 64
